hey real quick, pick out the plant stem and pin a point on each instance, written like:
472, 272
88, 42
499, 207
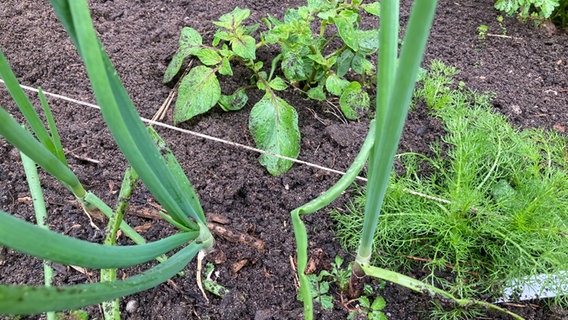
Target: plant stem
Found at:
434, 292
40, 214
111, 309
316, 204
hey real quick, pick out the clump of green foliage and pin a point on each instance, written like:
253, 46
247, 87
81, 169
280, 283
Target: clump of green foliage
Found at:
537, 10
318, 64
497, 200
369, 305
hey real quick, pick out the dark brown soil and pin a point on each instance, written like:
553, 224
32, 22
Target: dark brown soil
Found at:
527, 70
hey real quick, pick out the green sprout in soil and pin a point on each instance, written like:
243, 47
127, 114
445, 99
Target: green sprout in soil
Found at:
321, 65
496, 204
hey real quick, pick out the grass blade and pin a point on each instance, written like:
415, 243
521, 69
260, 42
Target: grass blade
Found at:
24, 104
22, 139
45, 244
323, 200
40, 214
32, 300
389, 129
121, 117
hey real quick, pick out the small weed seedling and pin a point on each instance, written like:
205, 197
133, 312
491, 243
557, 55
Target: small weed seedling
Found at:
482, 32
317, 64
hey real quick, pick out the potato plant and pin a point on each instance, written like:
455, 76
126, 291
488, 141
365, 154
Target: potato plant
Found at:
319, 64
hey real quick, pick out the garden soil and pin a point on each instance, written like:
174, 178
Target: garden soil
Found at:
525, 67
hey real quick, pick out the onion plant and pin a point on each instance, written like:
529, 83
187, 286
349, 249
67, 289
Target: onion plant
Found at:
163, 178
396, 77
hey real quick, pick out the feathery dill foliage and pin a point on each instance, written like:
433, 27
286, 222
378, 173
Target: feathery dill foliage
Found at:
508, 210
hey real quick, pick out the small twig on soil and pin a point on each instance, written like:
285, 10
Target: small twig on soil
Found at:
215, 227
502, 36
161, 113
83, 158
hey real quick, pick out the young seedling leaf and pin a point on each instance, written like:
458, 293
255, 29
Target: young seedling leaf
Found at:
278, 84
347, 32
225, 68
354, 101
335, 85
373, 8
293, 67
244, 46
234, 102
208, 56
177, 62
198, 93
379, 304
274, 126
343, 63
189, 42
317, 93
233, 19
189, 38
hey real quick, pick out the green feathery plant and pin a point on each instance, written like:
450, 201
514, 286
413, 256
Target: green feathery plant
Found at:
504, 209
395, 80
163, 177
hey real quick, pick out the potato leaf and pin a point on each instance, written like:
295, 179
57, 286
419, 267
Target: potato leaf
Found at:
335, 85
278, 84
354, 101
373, 8
244, 46
199, 91
177, 62
233, 19
273, 124
189, 38
317, 93
234, 102
208, 56
225, 68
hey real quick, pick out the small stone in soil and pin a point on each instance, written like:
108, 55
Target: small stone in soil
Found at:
131, 306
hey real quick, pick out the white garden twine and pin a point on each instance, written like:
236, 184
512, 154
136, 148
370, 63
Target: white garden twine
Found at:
193, 133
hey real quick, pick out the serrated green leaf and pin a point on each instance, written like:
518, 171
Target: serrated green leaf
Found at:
326, 302
273, 124
234, 102
189, 37
335, 85
317, 93
379, 304
377, 315
364, 302
225, 68
343, 63
199, 91
244, 47
208, 56
233, 19
372, 8
354, 101
278, 84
